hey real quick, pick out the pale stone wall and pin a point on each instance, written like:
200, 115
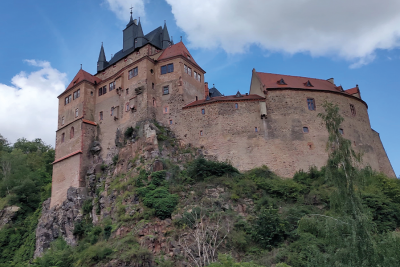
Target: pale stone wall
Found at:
70, 145
280, 143
65, 175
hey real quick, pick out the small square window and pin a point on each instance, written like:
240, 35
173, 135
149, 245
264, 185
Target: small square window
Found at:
256, 129
152, 85
203, 111
341, 131
170, 122
311, 103
305, 129
236, 105
101, 115
127, 90
201, 133
166, 90
166, 110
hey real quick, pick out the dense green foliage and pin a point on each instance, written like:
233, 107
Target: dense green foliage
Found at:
25, 181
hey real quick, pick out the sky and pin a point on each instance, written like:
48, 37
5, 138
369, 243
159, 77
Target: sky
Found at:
44, 42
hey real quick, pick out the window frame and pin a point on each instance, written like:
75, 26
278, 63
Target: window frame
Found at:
203, 111
168, 68
306, 128
101, 116
311, 101
76, 113
111, 86
353, 110
166, 90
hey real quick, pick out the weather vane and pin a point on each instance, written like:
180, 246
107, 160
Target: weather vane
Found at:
131, 9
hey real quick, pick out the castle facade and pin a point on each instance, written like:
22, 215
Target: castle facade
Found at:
151, 78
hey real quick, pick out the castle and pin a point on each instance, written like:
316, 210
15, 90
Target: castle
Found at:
151, 78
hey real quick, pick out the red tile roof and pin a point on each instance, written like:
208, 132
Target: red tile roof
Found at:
230, 98
89, 122
352, 91
271, 80
178, 49
82, 76
67, 156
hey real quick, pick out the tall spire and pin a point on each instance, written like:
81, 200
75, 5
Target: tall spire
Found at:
140, 41
102, 62
165, 36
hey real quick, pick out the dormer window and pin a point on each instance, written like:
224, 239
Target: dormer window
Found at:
308, 84
281, 82
238, 94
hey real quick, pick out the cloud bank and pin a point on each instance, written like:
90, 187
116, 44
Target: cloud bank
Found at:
121, 8
29, 107
352, 30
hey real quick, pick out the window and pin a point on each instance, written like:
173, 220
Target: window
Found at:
101, 115
112, 111
197, 98
166, 90
236, 105
132, 73
201, 133
311, 103
112, 86
256, 129
199, 77
91, 93
68, 99
62, 137
353, 110
195, 75
170, 122
203, 111
185, 68
166, 110
305, 129
71, 133
152, 85
341, 131
104, 89
189, 71
154, 102
127, 90
127, 107
76, 113
100, 91
77, 94
167, 68
62, 121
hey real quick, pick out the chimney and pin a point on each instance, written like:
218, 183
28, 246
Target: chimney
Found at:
331, 80
206, 91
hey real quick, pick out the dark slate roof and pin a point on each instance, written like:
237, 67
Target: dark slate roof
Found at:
154, 37
213, 92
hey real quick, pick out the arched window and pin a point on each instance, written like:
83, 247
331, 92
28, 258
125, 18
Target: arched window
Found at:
71, 134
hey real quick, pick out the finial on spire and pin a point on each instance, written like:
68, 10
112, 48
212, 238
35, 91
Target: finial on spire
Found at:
81, 66
181, 38
131, 9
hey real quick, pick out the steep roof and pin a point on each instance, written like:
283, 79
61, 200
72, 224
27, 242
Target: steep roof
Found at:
214, 92
352, 91
271, 80
82, 76
230, 98
178, 49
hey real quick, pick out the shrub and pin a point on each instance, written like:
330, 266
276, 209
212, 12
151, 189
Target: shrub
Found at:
161, 201
87, 206
158, 178
269, 228
115, 159
202, 168
129, 132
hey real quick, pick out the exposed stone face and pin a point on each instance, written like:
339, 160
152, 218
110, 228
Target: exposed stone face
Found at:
7, 214
59, 221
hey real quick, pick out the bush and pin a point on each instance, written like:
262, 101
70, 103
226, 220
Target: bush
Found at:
202, 168
129, 132
269, 229
158, 178
161, 201
87, 206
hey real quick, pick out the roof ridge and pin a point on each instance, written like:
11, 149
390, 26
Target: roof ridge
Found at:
293, 76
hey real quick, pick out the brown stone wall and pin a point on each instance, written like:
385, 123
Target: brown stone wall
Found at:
70, 145
280, 142
65, 175
383, 160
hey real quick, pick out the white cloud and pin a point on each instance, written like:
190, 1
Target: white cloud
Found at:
29, 107
352, 30
121, 8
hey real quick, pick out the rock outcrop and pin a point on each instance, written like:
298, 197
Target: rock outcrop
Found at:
7, 214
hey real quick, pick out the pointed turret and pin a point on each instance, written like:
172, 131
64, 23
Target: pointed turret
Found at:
165, 36
130, 33
102, 62
140, 41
